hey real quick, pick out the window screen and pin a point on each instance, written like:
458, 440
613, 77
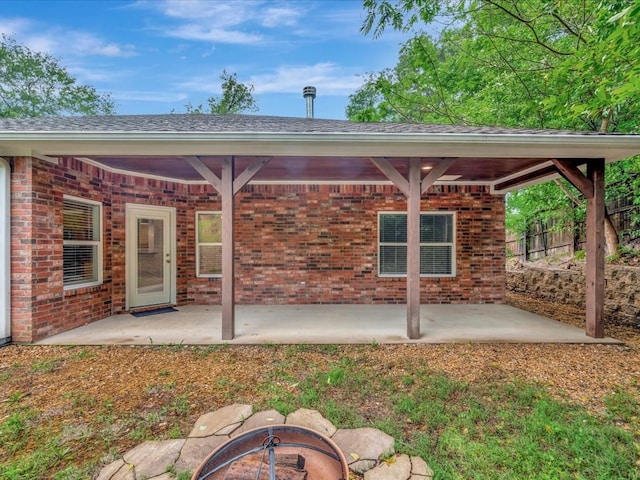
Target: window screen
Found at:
436, 244
209, 244
82, 243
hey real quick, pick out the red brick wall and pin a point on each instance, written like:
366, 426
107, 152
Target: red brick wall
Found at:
40, 305
294, 244
318, 244
21, 249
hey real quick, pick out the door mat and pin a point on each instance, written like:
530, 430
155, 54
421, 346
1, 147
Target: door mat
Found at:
154, 312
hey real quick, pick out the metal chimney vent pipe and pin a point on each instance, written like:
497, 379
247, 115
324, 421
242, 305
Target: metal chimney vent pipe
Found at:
309, 93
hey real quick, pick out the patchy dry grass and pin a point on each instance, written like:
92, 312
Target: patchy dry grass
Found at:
481, 411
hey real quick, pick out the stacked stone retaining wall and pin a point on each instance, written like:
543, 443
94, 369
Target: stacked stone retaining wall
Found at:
566, 285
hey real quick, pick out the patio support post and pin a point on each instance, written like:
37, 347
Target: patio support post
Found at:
413, 189
595, 251
227, 186
228, 250
592, 187
413, 250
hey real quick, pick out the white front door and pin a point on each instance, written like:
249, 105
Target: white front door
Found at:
150, 256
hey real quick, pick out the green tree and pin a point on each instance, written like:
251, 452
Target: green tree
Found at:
515, 63
533, 63
34, 84
236, 98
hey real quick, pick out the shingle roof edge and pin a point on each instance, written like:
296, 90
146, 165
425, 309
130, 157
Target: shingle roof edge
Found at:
249, 124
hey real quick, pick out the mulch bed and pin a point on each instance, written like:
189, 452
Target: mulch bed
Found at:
70, 387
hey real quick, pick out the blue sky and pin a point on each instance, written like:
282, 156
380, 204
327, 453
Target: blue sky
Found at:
155, 56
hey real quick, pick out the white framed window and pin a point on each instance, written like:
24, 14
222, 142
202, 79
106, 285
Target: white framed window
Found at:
209, 244
82, 242
437, 244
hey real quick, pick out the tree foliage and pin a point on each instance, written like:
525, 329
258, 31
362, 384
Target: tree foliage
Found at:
514, 63
236, 97
532, 63
34, 84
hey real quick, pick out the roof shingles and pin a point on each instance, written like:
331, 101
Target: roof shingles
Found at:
204, 123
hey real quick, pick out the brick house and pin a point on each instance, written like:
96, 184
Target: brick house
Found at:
104, 215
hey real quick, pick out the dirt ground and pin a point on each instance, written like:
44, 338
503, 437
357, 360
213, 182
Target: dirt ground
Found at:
72, 388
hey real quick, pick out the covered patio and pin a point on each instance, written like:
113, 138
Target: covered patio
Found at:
327, 324
235, 162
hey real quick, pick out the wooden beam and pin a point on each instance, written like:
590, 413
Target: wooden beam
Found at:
205, 172
435, 173
571, 173
413, 250
228, 250
392, 174
249, 173
595, 251
530, 176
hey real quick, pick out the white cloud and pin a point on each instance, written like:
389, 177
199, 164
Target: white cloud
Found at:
202, 33
160, 96
280, 16
82, 43
328, 78
208, 84
90, 74
223, 21
221, 12
13, 26
63, 42
40, 43
21, 29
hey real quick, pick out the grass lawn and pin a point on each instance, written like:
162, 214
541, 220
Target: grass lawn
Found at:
471, 411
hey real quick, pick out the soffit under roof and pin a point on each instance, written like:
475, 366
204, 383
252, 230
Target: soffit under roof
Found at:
307, 169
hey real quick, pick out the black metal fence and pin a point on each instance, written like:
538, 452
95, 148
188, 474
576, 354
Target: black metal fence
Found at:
555, 237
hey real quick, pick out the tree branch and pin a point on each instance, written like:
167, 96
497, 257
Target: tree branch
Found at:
519, 78
438, 80
528, 24
531, 42
567, 26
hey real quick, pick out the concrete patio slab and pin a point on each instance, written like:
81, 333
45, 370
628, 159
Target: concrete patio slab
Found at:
327, 324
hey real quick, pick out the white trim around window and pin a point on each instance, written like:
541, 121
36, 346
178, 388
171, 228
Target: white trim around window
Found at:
82, 242
209, 244
437, 244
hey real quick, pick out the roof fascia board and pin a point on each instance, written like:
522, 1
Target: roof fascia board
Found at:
612, 147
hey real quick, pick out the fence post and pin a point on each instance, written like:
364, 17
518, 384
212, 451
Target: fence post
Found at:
543, 233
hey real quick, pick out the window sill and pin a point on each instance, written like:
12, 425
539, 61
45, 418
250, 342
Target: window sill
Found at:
72, 291
390, 275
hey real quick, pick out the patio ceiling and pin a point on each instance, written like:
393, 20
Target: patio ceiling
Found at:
325, 169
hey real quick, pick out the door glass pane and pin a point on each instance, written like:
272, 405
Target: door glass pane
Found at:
150, 252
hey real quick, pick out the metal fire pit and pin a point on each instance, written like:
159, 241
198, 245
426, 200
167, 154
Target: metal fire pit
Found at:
275, 452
